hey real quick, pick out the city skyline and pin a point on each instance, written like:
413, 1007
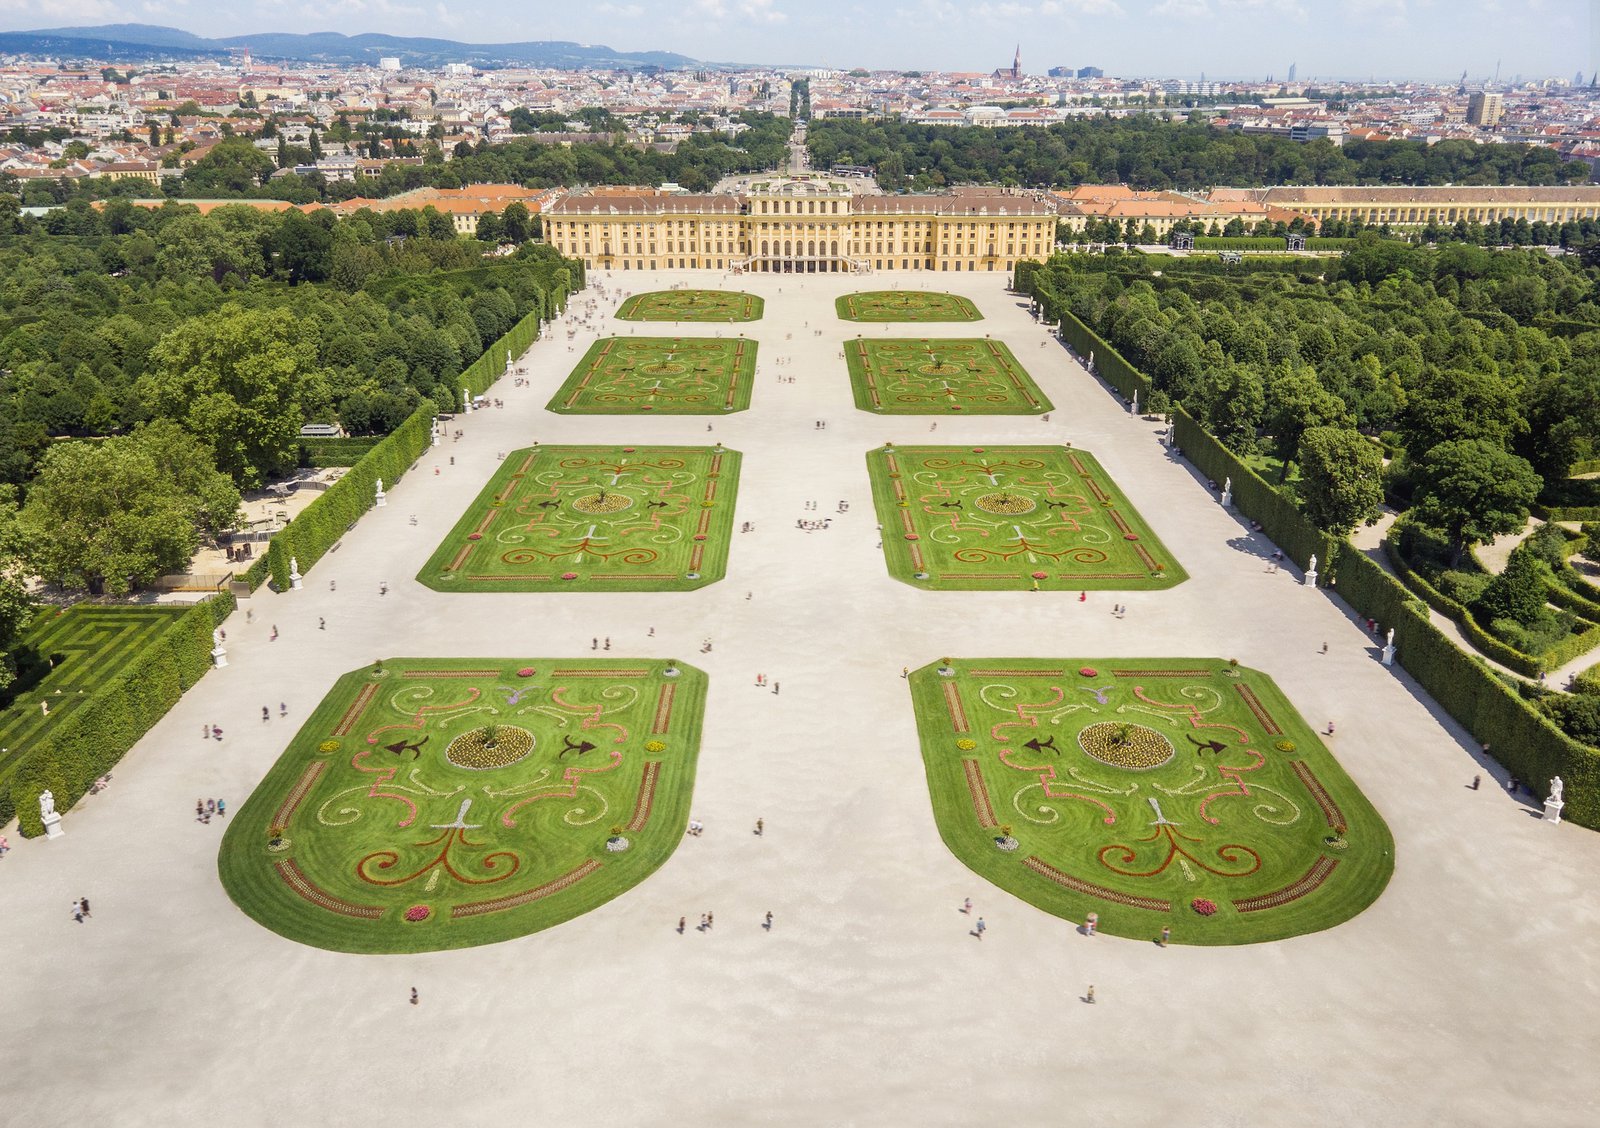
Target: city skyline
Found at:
1225, 39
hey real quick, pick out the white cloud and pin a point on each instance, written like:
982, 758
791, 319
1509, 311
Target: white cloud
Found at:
749, 11
626, 11
1182, 10
1294, 9
60, 13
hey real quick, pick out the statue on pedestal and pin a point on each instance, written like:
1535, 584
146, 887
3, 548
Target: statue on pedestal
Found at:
1556, 787
47, 804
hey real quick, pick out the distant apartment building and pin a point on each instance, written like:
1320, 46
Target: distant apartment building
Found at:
1091, 72
806, 225
1485, 109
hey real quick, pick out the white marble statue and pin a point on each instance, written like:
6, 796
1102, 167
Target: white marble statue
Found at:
1313, 566
47, 803
1556, 787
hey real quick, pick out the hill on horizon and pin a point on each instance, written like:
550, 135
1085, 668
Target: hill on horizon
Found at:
147, 41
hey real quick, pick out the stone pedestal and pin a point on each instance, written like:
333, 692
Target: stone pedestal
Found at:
466, 400
219, 656
52, 825
380, 499
294, 575
1227, 498
1311, 578
1388, 654
1552, 810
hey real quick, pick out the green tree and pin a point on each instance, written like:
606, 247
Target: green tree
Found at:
1341, 479
1475, 491
233, 379
1445, 404
1296, 402
1518, 592
111, 516
516, 224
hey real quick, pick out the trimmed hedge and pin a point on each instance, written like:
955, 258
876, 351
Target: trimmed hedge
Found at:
90, 742
319, 526
307, 538
1508, 656
1109, 364
1519, 736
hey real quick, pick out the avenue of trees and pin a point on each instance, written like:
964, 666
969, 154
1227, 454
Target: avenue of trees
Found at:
185, 351
1460, 384
1149, 152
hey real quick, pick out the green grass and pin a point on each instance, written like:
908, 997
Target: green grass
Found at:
613, 518
905, 305
63, 659
1011, 518
660, 376
1240, 822
379, 788
923, 377
692, 305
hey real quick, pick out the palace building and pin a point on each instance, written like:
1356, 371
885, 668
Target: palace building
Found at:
797, 225
1416, 207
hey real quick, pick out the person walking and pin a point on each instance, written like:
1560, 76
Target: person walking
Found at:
274, 632
761, 827
966, 906
413, 996
1166, 934
322, 624
266, 714
1476, 781
768, 923
711, 919
1089, 998
683, 923
283, 708
83, 903
222, 809
774, 687
980, 929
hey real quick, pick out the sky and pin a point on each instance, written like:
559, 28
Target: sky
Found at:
1424, 39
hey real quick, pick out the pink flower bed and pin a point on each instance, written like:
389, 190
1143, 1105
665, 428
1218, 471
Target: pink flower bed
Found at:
1203, 905
525, 672
912, 536
1089, 672
569, 575
1041, 575
418, 912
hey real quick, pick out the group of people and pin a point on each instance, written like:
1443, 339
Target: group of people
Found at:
205, 808
707, 919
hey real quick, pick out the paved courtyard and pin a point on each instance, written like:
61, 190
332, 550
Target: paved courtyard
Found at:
1468, 994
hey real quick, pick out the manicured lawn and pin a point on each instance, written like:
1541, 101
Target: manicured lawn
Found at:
691, 305
396, 821
924, 377
1134, 788
1010, 518
905, 305
613, 518
660, 376
64, 659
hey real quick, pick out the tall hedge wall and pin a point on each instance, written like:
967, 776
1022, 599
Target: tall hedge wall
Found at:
1520, 737
320, 525
87, 744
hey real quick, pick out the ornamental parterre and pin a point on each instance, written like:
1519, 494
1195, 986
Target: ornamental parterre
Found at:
1042, 518
467, 802
1150, 791
564, 518
945, 376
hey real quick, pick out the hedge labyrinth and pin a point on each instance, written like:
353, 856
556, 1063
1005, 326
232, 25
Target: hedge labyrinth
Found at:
570, 518
64, 658
692, 305
905, 305
659, 375
444, 803
1012, 518
974, 376
1186, 793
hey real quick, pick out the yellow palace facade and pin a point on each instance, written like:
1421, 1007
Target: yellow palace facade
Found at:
802, 225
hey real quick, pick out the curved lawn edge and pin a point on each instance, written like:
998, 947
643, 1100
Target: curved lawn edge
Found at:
974, 847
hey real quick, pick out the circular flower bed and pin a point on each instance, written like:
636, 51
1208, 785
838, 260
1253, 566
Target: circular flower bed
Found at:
327, 746
699, 536
474, 536
1130, 536
602, 503
1041, 575
1204, 906
525, 672
493, 746
1123, 745
1005, 503
617, 845
654, 746
1006, 843
1088, 671
418, 913
1284, 746
569, 575
278, 845
966, 744
912, 536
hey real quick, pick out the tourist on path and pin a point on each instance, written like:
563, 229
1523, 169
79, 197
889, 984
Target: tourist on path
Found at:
761, 827
1089, 998
966, 906
768, 924
413, 996
83, 903
1166, 934
981, 928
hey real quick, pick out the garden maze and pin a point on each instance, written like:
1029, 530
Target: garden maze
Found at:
1181, 793
432, 804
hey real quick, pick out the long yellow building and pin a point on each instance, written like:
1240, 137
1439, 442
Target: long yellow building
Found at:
802, 225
